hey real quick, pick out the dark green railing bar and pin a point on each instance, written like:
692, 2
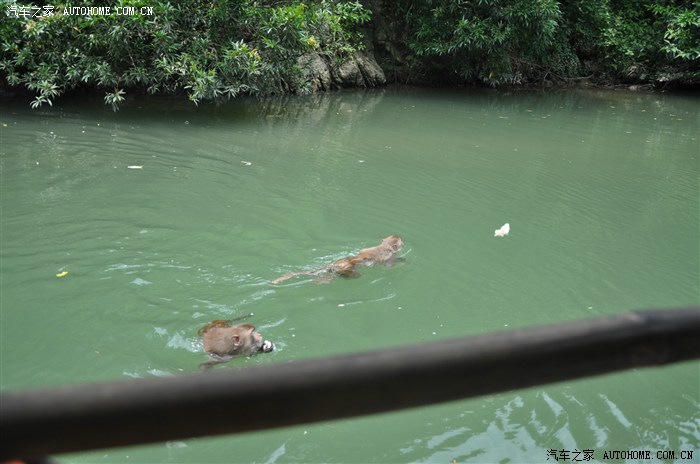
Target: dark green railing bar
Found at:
85, 417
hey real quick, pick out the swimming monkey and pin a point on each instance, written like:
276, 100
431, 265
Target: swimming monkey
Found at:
224, 341
384, 253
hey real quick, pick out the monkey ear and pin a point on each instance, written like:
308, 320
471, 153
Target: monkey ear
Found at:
236, 340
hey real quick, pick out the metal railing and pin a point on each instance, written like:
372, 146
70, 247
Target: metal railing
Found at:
77, 418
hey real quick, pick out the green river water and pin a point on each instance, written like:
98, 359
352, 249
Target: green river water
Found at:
601, 190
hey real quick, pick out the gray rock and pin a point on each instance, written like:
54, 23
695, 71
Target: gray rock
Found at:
372, 73
316, 71
348, 74
358, 70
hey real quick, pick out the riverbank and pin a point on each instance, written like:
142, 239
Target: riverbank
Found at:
210, 52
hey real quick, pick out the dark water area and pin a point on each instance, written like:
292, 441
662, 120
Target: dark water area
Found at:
165, 216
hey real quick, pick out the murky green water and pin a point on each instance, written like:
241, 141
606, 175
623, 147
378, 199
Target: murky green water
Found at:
601, 190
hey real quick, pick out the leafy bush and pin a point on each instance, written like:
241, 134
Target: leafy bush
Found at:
492, 41
512, 41
682, 30
221, 48
634, 34
211, 50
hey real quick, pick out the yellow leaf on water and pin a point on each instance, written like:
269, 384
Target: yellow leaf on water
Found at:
62, 274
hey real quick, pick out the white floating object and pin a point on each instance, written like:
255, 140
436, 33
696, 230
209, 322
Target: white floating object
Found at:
503, 231
135, 166
247, 163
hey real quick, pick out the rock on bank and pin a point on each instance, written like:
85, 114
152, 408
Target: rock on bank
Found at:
324, 72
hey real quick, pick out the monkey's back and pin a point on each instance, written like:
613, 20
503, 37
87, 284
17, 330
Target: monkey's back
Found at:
217, 340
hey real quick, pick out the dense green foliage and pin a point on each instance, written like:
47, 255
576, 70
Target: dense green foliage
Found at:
486, 40
511, 41
220, 48
210, 49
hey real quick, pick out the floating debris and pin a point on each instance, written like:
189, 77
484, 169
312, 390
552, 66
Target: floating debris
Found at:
135, 166
62, 274
503, 231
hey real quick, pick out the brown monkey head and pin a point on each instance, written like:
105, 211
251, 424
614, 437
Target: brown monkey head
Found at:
249, 341
245, 338
240, 339
394, 242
